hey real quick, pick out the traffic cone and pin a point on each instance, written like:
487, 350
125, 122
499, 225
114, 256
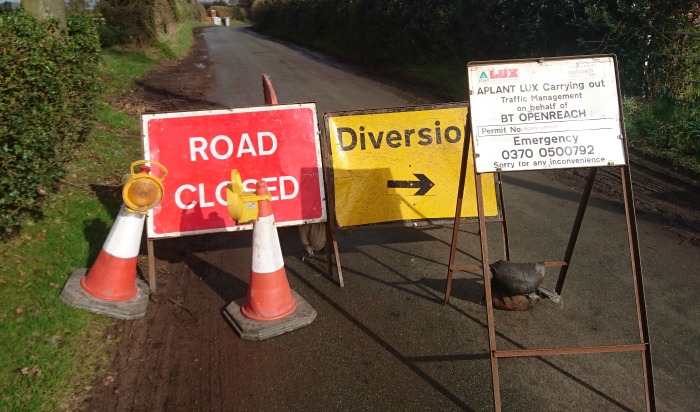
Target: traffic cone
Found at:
113, 275
269, 296
110, 286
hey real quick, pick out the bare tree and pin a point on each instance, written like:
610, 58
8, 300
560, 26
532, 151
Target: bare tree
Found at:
44, 9
77, 6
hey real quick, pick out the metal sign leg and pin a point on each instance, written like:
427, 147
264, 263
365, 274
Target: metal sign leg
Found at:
638, 287
489, 301
576, 228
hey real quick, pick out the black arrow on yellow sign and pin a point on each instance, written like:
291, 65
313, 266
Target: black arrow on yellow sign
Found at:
423, 183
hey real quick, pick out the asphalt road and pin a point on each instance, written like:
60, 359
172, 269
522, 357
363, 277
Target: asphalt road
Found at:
240, 57
385, 341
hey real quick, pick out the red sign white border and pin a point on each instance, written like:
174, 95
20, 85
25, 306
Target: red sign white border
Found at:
322, 195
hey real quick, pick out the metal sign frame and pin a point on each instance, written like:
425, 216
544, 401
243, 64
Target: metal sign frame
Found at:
270, 100
644, 345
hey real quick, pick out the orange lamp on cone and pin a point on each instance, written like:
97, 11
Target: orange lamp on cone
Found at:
143, 191
242, 206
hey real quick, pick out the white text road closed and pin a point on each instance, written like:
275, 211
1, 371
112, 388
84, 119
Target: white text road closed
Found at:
546, 113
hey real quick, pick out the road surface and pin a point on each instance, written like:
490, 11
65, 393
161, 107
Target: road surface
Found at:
386, 341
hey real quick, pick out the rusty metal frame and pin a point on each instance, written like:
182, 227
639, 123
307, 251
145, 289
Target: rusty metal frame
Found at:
152, 284
643, 346
451, 266
331, 238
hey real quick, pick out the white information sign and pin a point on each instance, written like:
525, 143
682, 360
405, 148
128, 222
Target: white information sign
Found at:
545, 114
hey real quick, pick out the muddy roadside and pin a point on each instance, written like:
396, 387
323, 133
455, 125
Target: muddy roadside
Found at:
180, 85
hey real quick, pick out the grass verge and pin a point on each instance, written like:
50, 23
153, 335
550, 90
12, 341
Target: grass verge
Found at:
50, 352
666, 129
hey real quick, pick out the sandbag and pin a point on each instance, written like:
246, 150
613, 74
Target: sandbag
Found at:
313, 237
517, 278
503, 300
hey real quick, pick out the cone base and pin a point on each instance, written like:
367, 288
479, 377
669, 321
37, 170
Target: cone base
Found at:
250, 329
248, 311
134, 308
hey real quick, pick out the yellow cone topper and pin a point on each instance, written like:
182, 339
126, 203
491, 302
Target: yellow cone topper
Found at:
242, 206
143, 191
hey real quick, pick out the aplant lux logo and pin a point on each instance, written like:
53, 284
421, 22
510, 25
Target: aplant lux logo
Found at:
498, 74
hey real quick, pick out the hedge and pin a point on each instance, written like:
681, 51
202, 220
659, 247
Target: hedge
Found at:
48, 89
142, 21
456, 31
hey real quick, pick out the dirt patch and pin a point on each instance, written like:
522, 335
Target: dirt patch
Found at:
176, 86
180, 85
671, 200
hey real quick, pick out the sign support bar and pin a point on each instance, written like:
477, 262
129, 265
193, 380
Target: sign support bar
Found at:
643, 347
331, 239
564, 112
638, 285
451, 267
577, 227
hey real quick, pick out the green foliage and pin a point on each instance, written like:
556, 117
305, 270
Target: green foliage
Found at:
126, 22
140, 22
5, 6
245, 4
198, 12
430, 41
675, 67
47, 92
39, 343
49, 351
77, 6
394, 31
666, 128
43, 341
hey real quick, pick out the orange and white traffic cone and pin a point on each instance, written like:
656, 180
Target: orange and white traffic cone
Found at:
270, 307
269, 296
113, 275
110, 286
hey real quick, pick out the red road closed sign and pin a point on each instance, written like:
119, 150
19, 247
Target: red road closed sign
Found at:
276, 144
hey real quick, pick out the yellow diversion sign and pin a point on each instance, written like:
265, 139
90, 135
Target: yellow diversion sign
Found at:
402, 165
